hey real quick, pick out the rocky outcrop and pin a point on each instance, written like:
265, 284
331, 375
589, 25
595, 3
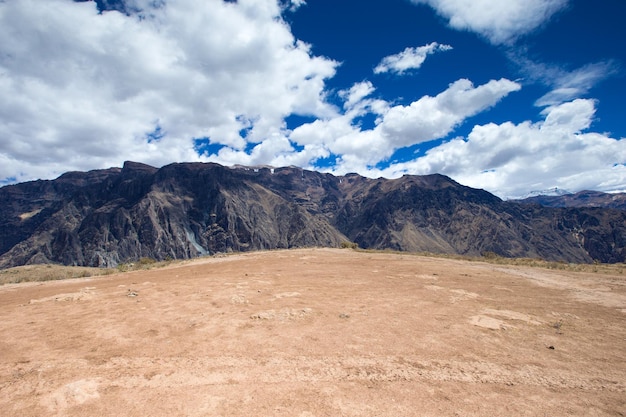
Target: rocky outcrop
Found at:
106, 217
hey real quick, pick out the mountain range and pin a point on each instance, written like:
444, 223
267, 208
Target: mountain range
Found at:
184, 210
584, 198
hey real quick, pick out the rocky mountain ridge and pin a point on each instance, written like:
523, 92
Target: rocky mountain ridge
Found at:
106, 217
586, 198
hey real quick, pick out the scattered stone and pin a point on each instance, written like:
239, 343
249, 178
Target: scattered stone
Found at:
283, 314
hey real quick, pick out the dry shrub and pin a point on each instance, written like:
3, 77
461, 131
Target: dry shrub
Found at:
349, 245
37, 273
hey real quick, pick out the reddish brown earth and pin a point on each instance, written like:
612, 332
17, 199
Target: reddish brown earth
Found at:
316, 332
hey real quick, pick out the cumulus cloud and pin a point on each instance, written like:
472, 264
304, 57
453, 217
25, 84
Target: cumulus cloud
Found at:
84, 90
398, 126
356, 94
410, 58
511, 159
435, 117
276, 150
499, 21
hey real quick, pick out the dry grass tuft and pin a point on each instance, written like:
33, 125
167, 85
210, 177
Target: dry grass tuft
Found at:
37, 273
492, 258
52, 272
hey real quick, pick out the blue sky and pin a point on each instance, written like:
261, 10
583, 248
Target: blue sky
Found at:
511, 97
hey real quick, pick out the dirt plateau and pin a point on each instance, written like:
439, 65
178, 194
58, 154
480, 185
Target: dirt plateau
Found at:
316, 332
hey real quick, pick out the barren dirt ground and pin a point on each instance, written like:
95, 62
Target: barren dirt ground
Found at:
316, 332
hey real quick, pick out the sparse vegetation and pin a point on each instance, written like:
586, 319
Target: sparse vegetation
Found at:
51, 272
146, 261
490, 255
564, 266
493, 258
37, 273
349, 245
143, 263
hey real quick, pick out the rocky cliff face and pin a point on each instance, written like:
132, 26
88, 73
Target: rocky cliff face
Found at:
106, 217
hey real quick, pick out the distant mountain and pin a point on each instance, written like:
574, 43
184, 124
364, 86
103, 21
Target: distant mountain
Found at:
549, 192
106, 217
580, 199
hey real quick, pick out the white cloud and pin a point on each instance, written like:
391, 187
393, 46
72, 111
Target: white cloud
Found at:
570, 118
511, 159
356, 94
361, 149
566, 85
82, 90
293, 5
276, 151
342, 137
435, 117
410, 58
500, 21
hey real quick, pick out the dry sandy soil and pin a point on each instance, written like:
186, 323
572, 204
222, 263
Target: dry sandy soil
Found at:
316, 332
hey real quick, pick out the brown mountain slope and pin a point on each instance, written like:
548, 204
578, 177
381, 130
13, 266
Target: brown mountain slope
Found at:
106, 217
